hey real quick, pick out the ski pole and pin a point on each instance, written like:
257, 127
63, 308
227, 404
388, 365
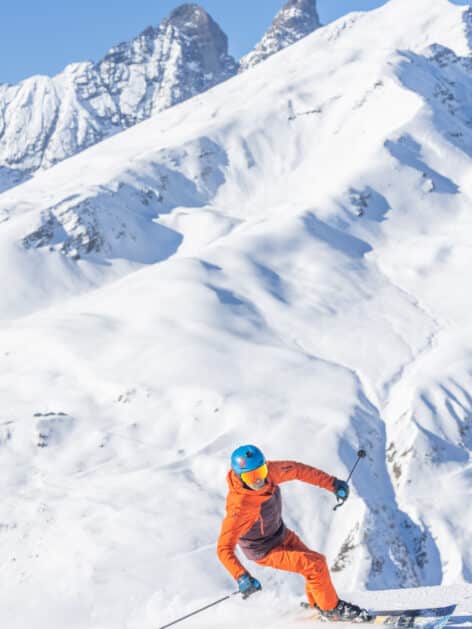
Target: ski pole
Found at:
360, 455
197, 611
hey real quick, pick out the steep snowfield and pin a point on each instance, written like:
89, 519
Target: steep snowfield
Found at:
284, 260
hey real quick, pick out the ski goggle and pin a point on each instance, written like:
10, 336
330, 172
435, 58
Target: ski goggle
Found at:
251, 478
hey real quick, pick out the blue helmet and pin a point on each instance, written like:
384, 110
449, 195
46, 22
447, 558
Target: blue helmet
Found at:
246, 459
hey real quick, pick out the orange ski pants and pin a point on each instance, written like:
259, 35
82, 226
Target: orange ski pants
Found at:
292, 555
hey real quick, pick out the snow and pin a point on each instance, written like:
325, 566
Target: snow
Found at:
283, 260
283, 612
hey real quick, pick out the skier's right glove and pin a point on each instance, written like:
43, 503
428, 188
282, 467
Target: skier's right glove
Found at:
248, 585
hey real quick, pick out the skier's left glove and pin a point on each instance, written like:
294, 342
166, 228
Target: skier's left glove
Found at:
341, 490
248, 585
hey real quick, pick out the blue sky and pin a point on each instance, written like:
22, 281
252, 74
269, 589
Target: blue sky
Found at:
43, 37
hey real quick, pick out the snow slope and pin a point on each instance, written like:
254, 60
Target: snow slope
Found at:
283, 260
283, 612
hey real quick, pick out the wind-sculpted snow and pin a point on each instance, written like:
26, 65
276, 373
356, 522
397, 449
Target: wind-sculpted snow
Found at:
284, 260
119, 222
443, 79
9, 177
116, 220
407, 151
105, 226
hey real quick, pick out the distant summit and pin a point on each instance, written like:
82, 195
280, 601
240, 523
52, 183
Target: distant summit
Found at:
207, 44
62, 115
185, 55
44, 120
296, 19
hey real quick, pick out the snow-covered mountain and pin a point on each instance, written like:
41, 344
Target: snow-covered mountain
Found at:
282, 260
295, 20
44, 120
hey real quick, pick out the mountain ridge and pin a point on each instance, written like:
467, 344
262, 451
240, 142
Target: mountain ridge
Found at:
44, 120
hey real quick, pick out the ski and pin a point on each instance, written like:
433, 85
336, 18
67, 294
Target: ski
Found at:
423, 612
420, 618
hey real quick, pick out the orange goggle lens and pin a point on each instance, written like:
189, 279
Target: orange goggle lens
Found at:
250, 478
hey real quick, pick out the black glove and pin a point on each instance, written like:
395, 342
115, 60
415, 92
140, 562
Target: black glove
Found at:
341, 489
248, 585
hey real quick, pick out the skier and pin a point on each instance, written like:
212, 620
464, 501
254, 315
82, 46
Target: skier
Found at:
254, 521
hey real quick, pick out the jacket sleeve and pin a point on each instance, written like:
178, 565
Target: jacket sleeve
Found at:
283, 471
234, 525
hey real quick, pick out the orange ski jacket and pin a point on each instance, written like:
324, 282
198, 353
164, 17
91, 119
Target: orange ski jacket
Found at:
244, 511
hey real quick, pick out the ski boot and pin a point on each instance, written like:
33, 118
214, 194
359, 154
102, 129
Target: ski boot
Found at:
345, 611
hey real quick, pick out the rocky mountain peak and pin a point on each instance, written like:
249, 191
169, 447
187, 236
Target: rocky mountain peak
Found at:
193, 21
298, 14
190, 16
295, 20
183, 56
208, 43
164, 65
